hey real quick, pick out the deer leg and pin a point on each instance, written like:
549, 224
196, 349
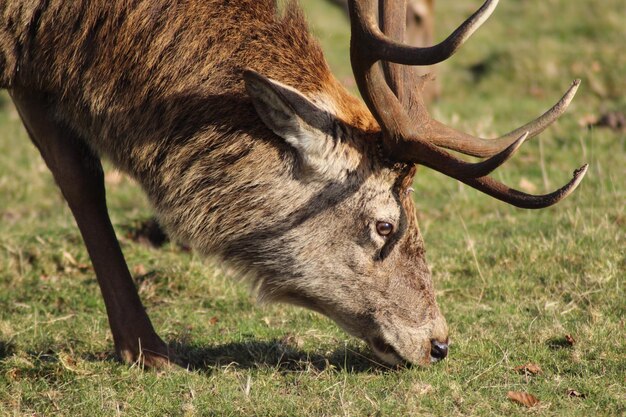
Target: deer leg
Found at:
78, 172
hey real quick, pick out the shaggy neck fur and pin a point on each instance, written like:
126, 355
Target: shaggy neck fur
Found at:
156, 87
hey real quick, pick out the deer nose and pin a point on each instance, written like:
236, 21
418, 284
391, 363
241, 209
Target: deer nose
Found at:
438, 350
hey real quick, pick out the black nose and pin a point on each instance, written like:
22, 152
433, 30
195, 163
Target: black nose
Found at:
438, 350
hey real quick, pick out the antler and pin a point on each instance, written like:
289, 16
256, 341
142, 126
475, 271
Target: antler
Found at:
393, 94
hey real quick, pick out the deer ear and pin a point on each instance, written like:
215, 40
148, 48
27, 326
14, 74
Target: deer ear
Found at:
295, 118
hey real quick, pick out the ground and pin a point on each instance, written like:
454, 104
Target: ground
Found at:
543, 288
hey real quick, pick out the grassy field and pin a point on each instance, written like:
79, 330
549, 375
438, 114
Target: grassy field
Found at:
517, 287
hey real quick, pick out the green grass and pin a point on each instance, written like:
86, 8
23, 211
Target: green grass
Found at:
511, 283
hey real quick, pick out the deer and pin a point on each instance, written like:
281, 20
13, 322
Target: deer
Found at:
228, 117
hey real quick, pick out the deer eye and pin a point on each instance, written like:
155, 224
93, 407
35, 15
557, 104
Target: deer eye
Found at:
384, 228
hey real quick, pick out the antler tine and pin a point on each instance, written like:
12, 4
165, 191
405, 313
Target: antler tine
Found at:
393, 23
383, 93
369, 74
450, 138
440, 160
517, 198
382, 47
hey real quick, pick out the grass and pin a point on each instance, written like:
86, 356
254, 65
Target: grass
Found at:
511, 283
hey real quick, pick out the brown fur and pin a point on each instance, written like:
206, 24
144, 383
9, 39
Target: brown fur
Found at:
156, 87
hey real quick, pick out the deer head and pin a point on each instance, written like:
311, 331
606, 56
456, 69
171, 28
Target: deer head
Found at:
363, 264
